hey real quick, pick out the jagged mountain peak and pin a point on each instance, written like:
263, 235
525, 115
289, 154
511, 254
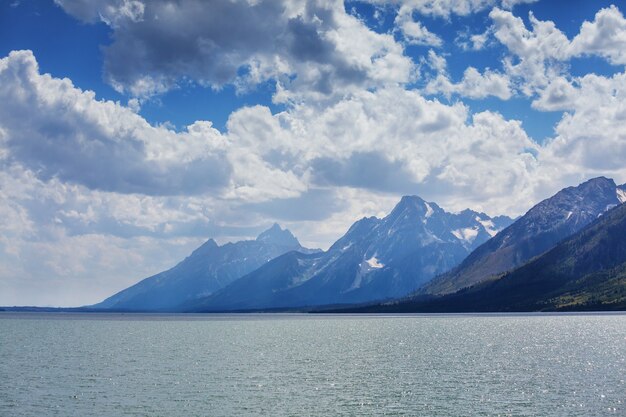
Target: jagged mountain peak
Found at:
412, 202
592, 188
375, 259
209, 268
469, 214
278, 236
206, 247
543, 226
597, 181
410, 199
574, 205
593, 183
412, 206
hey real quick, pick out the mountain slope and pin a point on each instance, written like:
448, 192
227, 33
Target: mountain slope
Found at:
621, 193
584, 272
206, 270
375, 259
537, 231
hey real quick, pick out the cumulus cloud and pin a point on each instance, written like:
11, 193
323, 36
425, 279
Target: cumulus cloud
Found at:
413, 31
437, 62
473, 42
472, 85
105, 147
605, 36
70, 135
421, 147
560, 94
446, 8
540, 54
537, 51
591, 137
305, 46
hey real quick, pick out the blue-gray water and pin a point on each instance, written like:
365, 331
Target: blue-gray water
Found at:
110, 365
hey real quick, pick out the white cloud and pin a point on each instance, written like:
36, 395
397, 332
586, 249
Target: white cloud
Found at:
473, 42
591, 138
479, 40
70, 135
605, 36
558, 95
421, 147
509, 4
437, 62
446, 8
543, 41
84, 269
473, 85
414, 32
537, 51
279, 156
306, 46
541, 54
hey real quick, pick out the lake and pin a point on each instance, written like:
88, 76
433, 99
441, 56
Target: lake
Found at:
310, 365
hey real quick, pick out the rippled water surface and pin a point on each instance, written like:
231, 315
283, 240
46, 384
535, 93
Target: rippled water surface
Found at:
109, 365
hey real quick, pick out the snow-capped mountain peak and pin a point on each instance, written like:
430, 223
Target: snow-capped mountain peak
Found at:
545, 224
375, 259
413, 206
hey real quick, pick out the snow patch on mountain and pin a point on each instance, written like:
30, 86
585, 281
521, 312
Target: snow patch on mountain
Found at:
373, 263
621, 195
378, 258
467, 234
429, 210
490, 228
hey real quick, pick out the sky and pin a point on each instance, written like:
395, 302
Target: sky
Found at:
132, 131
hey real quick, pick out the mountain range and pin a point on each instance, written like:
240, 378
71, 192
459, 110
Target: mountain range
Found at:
376, 259
542, 227
417, 249
208, 269
586, 271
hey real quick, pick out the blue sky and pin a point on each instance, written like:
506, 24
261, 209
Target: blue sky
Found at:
67, 47
132, 131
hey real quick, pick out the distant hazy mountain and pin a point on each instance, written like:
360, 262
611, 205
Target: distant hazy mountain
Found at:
375, 259
587, 271
542, 227
207, 269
